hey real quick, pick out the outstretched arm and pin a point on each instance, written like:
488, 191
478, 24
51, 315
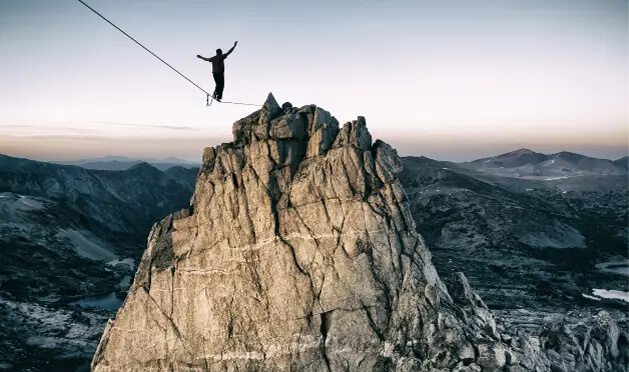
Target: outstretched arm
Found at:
231, 50
203, 58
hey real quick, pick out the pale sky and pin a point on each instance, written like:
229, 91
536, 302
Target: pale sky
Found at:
452, 80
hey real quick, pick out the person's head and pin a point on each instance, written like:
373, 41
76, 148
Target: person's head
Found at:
219, 52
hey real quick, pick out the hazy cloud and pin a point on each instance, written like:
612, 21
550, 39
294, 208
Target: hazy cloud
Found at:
173, 127
40, 128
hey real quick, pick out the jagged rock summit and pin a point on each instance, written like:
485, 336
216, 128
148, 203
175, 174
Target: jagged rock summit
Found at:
299, 253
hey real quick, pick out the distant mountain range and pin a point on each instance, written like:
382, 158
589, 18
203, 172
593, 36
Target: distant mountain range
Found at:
527, 163
111, 162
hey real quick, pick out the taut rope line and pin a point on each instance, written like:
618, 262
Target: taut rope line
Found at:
208, 95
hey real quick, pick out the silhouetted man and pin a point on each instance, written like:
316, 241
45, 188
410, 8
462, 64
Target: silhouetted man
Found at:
218, 70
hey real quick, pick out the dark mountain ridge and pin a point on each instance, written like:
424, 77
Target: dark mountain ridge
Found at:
622, 162
129, 200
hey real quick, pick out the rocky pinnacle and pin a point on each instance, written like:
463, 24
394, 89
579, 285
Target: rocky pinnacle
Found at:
299, 253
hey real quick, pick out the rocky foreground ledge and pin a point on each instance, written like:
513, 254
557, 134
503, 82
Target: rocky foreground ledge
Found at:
299, 253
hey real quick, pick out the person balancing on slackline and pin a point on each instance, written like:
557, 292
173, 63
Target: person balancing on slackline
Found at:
218, 70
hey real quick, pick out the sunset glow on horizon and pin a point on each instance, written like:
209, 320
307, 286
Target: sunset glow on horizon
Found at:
453, 80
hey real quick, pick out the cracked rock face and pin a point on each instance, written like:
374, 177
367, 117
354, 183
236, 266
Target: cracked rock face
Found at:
299, 253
